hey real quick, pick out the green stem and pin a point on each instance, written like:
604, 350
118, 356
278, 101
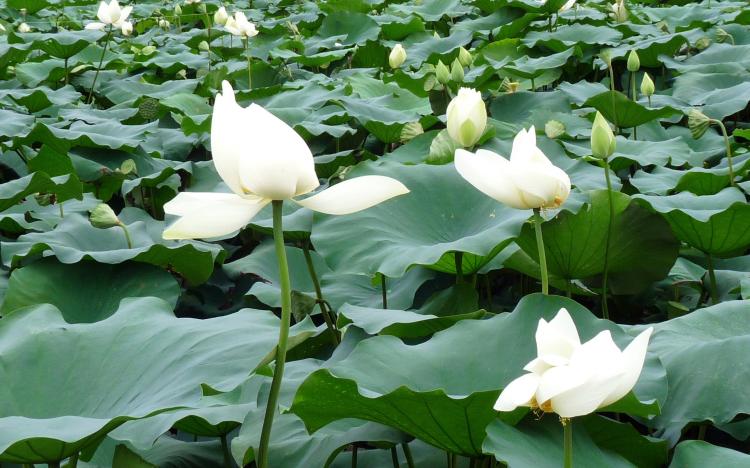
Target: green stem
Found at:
394, 457
225, 450
459, 256
354, 455
610, 228
54, 464
286, 311
634, 97
101, 61
568, 442
246, 41
712, 279
73, 461
319, 295
127, 235
62, 211
729, 150
66, 71
407, 454
540, 246
533, 85
384, 290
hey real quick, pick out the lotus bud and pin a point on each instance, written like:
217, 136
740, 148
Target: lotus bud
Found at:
703, 43
24, 28
647, 86
177, 10
148, 50
103, 217
464, 57
698, 123
128, 166
221, 16
554, 129
397, 56
442, 73
126, 28
203, 45
164, 24
603, 141
467, 117
634, 62
723, 36
619, 12
457, 71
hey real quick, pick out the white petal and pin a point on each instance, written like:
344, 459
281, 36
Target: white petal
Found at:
114, 11
542, 185
354, 195
525, 149
125, 13
256, 152
558, 380
632, 361
537, 366
205, 215
103, 13
517, 393
491, 174
556, 340
95, 25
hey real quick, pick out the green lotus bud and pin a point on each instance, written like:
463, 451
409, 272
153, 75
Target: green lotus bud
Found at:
634, 62
602, 139
703, 43
647, 85
203, 45
397, 57
148, 50
457, 71
554, 128
177, 10
464, 57
128, 166
442, 73
103, 217
723, 36
698, 123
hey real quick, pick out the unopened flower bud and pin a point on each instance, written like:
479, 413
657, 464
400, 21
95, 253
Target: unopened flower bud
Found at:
103, 217
442, 73
634, 62
464, 56
397, 56
602, 139
203, 45
647, 85
457, 72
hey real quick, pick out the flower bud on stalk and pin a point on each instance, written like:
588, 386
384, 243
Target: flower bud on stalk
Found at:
603, 141
442, 73
464, 57
457, 72
397, 56
634, 62
467, 117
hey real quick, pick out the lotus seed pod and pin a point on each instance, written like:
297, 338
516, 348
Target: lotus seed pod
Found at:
149, 108
554, 129
103, 217
702, 43
698, 123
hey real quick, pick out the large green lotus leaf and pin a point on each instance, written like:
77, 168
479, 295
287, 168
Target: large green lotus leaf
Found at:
643, 152
63, 44
82, 289
718, 94
337, 288
699, 454
14, 125
425, 46
698, 392
75, 239
41, 97
401, 323
532, 67
716, 224
130, 89
642, 247
597, 442
719, 58
623, 112
418, 228
431, 11
432, 391
352, 27
61, 136
166, 452
140, 361
573, 34
517, 108
64, 187
698, 180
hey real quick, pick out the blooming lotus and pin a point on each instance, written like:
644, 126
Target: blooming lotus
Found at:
467, 116
112, 15
574, 379
260, 158
528, 180
240, 26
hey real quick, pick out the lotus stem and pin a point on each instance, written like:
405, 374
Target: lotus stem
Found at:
354, 455
101, 61
60, 208
127, 235
634, 97
568, 442
73, 461
327, 316
384, 290
537, 219
54, 464
225, 450
394, 457
286, 312
712, 279
407, 454
610, 228
459, 257
729, 150
246, 42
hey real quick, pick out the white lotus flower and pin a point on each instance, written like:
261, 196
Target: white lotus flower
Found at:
528, 180
126, 28
467, 117
397, 56
192, 2
619, 11
240, 26
24, 28
110, 14
221, 16
261, 159
573, 379
568, 5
